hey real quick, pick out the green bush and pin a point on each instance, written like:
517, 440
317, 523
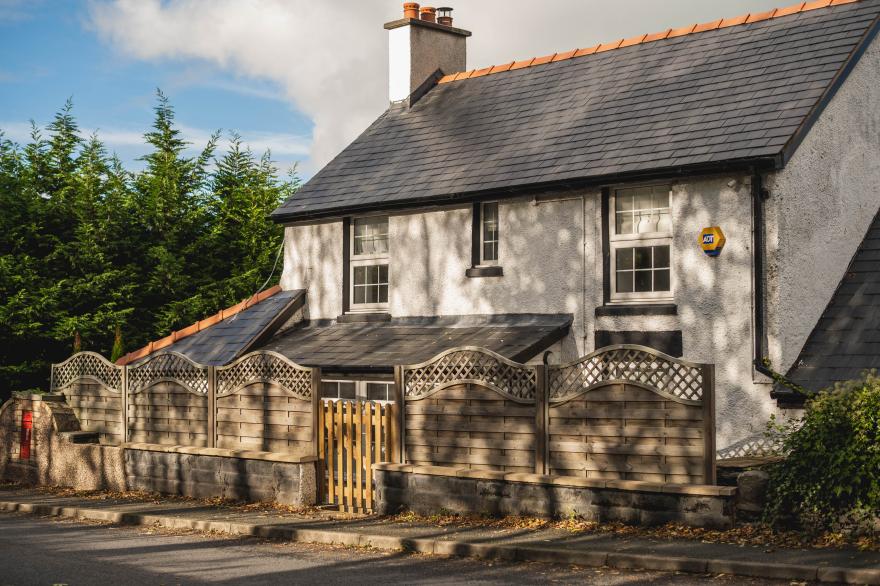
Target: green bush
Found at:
830, 479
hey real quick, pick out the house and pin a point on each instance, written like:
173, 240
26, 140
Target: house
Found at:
547, 207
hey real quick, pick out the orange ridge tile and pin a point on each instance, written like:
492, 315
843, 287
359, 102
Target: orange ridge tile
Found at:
542, 60
632, 41
669, 33
481, 72
608, 46
680, 32
761, 16
657, 36
816, 4
521, 64
708, 26
564, 56
789, 10
587, 51
500, 68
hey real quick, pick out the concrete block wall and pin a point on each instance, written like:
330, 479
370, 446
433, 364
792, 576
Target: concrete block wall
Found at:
429, 490
199, 475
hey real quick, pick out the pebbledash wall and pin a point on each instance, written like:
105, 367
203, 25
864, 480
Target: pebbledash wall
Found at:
62, 455
820, 206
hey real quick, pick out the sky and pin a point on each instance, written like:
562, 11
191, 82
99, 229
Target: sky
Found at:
299, 77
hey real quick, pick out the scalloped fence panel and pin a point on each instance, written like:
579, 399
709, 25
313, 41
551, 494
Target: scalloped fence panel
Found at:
92, 386
631, 413
265, 402
471, 408
167, 401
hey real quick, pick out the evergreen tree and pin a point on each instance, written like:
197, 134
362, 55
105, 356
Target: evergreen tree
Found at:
86, 246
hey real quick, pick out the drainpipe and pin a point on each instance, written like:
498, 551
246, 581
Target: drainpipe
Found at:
759, 196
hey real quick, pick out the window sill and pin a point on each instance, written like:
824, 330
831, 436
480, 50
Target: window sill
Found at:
352, 318
641, 309
476, 272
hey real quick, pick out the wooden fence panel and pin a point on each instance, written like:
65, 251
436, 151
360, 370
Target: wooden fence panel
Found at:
168, 413
263, 416
93, 387
98, 409
622, 431
470, 426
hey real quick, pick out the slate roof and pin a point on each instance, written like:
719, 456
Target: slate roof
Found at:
732, 95
846, 339
378, 346
229, 338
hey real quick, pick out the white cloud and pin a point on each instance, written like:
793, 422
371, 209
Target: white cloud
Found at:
330, 56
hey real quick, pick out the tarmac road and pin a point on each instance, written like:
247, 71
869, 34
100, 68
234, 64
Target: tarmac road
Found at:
36, 550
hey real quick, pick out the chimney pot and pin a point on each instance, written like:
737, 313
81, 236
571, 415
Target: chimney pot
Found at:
427, 13
411, 10
444, 16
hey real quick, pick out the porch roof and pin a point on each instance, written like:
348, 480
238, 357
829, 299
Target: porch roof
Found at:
379, 346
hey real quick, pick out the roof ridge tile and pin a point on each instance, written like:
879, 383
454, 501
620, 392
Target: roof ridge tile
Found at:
649, 38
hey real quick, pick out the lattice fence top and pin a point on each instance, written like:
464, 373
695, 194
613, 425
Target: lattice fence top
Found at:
470, 366
168, 367
265, 367
676, 379
86, 366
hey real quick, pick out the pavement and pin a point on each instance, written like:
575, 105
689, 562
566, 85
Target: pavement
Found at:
37, 550
600, 550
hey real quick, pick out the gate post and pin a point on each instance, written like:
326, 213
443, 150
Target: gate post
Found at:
318, 431
212, 406
399, 433
708, 375
541, 414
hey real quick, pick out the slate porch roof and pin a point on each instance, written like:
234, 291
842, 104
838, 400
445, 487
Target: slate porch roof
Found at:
224, 337
379, 346
846, 339
733, 96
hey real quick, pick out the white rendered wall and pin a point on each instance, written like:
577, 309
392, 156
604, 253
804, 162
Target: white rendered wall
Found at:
399, 63
540, 252
820, 207
313, 261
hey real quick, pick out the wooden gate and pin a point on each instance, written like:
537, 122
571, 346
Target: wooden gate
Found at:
352, 436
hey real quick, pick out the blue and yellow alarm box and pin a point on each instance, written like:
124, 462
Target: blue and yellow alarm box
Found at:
712, 240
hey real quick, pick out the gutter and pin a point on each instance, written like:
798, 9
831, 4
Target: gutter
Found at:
699, 169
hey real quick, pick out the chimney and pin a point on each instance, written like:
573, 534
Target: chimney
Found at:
419, 44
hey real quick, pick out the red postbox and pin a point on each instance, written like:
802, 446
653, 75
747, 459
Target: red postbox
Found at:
27, 426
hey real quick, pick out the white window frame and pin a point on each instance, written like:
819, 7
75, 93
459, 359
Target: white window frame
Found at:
360, 389
366, 260
619, 241
484, 262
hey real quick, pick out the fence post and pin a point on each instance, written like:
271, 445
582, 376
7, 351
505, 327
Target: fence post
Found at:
212, 406
123, 391
400, 420
708, 375
541, 432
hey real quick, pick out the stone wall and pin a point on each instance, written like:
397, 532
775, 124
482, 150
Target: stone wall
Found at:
427, 490
214, 472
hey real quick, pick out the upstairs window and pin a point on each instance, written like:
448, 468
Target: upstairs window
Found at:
369, 263
489, 233
641, 244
